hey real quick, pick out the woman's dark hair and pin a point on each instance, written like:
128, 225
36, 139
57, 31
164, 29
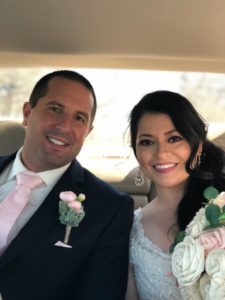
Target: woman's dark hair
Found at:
41, 87
192, 127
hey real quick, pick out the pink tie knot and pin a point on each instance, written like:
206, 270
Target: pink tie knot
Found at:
29, 179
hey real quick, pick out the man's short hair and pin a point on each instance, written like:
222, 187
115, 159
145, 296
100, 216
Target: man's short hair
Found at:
41, 87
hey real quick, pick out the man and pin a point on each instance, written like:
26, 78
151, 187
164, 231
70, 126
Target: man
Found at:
58, 117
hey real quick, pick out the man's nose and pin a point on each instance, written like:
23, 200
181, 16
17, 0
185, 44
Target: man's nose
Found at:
65, 123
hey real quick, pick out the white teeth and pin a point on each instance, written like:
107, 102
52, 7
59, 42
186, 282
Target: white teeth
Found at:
55, 141
166, 166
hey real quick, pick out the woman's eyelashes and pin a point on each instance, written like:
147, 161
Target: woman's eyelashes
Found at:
149, 142
145, 142
175, 139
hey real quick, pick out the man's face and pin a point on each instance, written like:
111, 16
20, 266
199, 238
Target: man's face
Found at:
57, 125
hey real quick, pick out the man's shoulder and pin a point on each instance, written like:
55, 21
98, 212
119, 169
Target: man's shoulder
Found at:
5, 160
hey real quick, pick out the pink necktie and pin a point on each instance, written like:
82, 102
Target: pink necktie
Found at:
12, 206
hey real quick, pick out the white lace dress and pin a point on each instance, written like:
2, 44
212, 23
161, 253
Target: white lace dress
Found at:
152, 266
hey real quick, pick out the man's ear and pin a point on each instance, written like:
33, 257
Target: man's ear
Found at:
90, 129
26, 112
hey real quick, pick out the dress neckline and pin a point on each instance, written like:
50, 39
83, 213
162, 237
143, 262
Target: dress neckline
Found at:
148, 242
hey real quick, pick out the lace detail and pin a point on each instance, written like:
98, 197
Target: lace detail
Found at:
152, 266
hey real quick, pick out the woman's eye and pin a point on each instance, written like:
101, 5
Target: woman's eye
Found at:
175, 138
146, 143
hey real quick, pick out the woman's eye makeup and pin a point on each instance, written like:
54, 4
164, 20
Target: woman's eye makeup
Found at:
175, 138
145, 142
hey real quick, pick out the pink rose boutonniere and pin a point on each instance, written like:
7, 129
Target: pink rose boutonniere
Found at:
71, 211
198, 259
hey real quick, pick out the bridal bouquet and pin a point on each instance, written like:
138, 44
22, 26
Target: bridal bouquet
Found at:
198, 259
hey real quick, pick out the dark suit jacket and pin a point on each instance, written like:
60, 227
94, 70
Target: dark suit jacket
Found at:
33, 268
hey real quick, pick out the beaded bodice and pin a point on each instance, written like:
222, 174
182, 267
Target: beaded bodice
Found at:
152, 266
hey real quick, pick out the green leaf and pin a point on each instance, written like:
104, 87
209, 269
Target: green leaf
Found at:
68, 216
179, 238
210, 193
212, 213
62, 207
222, 217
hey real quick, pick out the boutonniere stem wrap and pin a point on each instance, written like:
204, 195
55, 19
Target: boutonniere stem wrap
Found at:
71, 211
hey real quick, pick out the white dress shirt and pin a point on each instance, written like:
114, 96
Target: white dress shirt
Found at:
8, 181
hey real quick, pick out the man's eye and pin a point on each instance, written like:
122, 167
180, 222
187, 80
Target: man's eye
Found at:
54, 108
80, 118
145, 143
175, 138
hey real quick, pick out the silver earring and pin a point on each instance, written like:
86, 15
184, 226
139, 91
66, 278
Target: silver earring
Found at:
139, 179
199, 160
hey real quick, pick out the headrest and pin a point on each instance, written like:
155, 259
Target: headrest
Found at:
11, 136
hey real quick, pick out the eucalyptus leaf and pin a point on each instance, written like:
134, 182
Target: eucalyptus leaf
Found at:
212, 213
211, 193
222, 217
179, 238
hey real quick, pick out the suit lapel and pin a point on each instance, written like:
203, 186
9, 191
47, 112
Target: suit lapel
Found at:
5, 160
46, 215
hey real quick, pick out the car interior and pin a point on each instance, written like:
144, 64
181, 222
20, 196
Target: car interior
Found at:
12, 135
131, 35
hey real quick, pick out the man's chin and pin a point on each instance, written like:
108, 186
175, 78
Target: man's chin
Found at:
58, 161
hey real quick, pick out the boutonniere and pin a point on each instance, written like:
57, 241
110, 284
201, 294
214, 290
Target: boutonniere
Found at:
71, 211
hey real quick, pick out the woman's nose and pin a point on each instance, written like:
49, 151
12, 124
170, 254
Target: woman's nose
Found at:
162, 149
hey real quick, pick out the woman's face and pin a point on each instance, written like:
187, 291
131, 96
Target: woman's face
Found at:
162, 151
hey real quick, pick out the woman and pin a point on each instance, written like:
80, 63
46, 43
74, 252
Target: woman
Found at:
169, 140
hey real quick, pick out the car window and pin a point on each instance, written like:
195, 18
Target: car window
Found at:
107, 150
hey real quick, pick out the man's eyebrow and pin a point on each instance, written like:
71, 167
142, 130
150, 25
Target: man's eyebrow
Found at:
52, 102
83, 114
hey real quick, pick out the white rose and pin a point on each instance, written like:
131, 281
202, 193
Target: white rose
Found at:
215, 261
197, 225
191, 292
220, 200
217, 287
204, 285
188, 261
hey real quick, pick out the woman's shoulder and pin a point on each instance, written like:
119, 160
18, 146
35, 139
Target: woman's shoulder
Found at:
137, 213
137, 221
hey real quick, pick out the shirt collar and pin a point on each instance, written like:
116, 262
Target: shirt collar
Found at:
49, 177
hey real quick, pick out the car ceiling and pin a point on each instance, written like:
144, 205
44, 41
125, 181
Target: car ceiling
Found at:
141, 34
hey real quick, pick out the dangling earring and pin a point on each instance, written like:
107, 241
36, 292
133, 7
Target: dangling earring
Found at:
199, 160
139, 179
